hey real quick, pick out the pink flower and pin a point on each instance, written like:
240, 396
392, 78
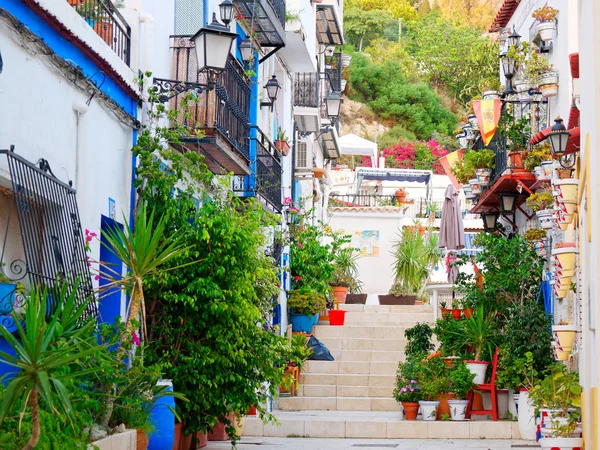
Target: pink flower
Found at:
287, 201
97, 277
403, 389
135, 339
413, 381
300, 245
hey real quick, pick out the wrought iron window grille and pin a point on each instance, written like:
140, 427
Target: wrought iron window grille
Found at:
51, 237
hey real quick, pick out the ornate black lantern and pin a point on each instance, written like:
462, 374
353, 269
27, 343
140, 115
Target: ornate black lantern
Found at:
558, 137
226, 12
490, 219
333, 103
508, 202
213, 46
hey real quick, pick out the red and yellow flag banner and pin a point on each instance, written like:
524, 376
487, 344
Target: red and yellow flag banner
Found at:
488, 115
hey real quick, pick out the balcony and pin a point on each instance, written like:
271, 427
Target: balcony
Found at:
266, 18
306, 102
108, 23
330, 24
268, 171
222, 113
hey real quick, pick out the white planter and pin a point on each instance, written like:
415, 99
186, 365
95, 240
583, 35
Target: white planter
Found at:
467, 189
429, 409
478, 368
566, 189
472, 118
346, 60
502, 404
547, 166
483, 176
546, 30
343, 84
539, 172
490, 95
562, 443
548, 84
476, 186
526, 417
458, 409
545, 218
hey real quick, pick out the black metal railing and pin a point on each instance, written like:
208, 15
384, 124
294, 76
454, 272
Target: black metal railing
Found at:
52, 242
268, 170
499, 147
279, 8
108, 23
225, 108
333, 73
306, 89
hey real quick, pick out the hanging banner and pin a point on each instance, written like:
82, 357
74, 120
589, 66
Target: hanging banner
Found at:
488, 115
448, 162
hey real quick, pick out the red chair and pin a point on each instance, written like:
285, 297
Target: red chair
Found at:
487, 387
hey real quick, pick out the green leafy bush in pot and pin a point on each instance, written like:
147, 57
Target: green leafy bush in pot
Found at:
306, 302
410, 392
433, 377
461, 380
419, 340
540, 201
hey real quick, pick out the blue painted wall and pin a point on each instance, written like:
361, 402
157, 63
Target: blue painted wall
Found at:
110, 303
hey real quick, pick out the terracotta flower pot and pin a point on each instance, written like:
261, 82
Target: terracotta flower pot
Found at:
400, 196
446, 311
340, 293
411, 409
218, 433
444, 408
516, 162
177, 442
282, 146
142, 440
468, 312
456, 313
201, 440
105, 31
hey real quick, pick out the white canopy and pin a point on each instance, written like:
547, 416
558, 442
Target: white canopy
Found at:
351, 144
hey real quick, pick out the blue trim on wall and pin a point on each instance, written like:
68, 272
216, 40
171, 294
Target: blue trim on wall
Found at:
65, 49
110, 305
133, 172
205, 12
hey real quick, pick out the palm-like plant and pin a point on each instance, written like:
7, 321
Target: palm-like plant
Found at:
143, 249
480, 332
45, 348
345, 268
415, 255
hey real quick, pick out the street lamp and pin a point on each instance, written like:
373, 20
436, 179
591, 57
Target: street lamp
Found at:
490, 219
508, 67
226, 12
213, 46
273, 87
246, 50
333, 104
514, 39
507, 202
558, 136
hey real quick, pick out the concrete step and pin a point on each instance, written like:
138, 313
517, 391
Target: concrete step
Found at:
312, 390
333, 379
363, 344
352, 367
364, 331
386, 309
387, 317
377, 425
338, 403
367, 355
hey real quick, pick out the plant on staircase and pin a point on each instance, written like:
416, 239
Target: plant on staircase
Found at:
419, 340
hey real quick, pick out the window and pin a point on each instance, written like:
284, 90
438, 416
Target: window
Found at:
189, 16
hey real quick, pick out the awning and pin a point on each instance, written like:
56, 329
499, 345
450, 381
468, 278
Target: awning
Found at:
504, 14
574, 62
351, 144
573, 118
389, 174
572, 145
539, 137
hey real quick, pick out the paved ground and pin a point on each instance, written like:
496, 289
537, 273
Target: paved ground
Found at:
371, 444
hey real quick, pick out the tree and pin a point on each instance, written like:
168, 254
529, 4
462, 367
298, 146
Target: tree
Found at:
360, 25
425, 8
472, 13
400, 9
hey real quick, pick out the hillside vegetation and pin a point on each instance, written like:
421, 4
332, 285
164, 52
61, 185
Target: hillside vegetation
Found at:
416, 64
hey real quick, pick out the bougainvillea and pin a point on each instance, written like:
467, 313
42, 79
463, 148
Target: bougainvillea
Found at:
413, 155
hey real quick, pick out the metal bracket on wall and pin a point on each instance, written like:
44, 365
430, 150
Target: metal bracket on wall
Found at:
167, 89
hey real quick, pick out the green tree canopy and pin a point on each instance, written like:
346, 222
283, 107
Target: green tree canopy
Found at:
360, 25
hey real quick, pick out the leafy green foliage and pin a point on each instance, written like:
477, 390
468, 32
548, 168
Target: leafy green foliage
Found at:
433, 377
299, 352
419, 340
306, 302
345, 269
448, 334
461, 380
360, 25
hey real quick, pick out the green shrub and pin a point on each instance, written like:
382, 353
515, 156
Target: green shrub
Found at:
306, 302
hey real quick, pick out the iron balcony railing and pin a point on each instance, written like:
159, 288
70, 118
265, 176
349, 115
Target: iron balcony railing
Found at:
419, 208
279, 8
333, 73
108, 23
306, 89
499, 147
225, 108
268, 170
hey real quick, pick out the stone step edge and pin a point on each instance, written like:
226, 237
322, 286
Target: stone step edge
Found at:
324, 427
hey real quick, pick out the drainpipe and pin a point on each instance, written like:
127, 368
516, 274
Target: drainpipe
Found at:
148, 22
80, 128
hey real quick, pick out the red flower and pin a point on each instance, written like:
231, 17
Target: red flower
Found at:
297, 278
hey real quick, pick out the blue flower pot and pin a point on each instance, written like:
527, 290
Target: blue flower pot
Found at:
163, 420
303, 323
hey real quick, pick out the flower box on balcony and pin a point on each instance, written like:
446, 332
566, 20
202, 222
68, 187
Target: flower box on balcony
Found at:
282, 146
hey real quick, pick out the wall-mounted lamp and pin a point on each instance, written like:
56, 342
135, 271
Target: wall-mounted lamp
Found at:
508, 202
226, 12
246, 50
490, 219
213, 47
514, 39
273, 87
559, 139
508, 67
333, 103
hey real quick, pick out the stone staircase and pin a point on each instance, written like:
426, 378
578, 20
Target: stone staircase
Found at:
367, 350
351, 397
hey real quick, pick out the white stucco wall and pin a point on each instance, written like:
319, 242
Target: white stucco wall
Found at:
37, 116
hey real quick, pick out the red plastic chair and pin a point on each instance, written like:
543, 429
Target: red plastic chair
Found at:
487, 387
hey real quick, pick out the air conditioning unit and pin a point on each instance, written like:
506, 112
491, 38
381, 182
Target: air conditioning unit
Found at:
304, 160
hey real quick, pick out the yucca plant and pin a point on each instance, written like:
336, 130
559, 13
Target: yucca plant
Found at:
143, 249
46, 346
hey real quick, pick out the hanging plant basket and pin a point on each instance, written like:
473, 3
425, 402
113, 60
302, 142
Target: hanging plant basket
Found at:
567, 189
282, 146
564, 336
476, 186
490, 95
483, 176
545, 217
548, 84
565, 257
540, 246
547, 166
546, 30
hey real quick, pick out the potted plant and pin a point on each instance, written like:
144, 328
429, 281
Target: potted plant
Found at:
461, 380
481, 162
449, 333
297, 357
444, 309
565, 253
566, 189
281, 143
518, 134
400, 195
414, 255
536, 157
541, 203
456, 310
538, 237
344, 273
103, 25
434, 382
546, 16
304, 305
418, 340
408, 394
564, 337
